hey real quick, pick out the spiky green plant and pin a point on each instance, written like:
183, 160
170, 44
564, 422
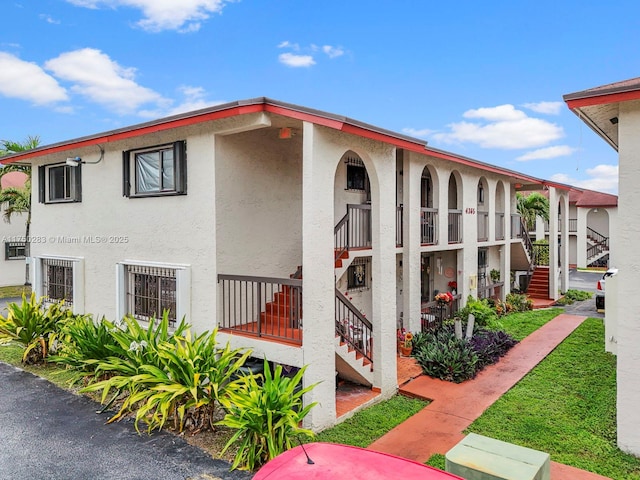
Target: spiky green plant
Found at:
34, 327
194, 373
266, 411
83, 344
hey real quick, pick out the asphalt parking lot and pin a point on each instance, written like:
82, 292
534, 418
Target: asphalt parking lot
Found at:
50, 434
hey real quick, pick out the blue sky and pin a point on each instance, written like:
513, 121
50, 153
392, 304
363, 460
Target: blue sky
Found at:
480, 79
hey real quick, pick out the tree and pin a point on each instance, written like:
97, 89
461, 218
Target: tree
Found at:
531, 206
16, 200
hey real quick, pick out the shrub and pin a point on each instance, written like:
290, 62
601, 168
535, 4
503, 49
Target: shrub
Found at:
490, 345
442, 355
571, 296
83, 344
167, 375
446, 357
266, 416
481, 309
33, 327
194, 374
518, 302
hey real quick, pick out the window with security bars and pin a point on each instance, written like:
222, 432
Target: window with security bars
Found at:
58, 280
358, 277
151, 291
14, 250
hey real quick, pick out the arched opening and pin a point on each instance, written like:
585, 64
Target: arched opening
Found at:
598, 238
500, 209
482, 209
428, 207
455, 214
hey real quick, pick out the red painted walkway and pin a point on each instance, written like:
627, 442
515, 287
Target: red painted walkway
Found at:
439, 426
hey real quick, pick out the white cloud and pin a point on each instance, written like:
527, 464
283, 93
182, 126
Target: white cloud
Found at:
546, 153
293, 60
27, 81
98, 78
548, 108
603, 178
419, 133
183, 15
49, 19
502, 127
288, 44
506, 113
194, 99
333, 52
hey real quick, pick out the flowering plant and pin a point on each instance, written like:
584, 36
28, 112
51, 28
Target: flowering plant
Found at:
453, 284
405, 337
445, 297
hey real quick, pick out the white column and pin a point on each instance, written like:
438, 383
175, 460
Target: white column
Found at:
581, 237
505, 254
564, 244
628, 304
384, 272
468, 255
553, 243
411, 267
318, 278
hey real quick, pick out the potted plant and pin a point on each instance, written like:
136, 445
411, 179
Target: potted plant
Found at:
495, 275
405, 342
444, 298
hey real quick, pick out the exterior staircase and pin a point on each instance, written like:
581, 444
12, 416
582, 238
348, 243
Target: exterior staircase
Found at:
539, 283
352, 365
597, 249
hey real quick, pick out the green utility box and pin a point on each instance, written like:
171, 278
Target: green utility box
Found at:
483, 458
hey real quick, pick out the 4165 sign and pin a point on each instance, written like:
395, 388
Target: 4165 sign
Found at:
470, 211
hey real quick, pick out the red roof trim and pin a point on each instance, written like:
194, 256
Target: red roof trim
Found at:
398, 142
140, 131
292, 111
603, 99
304, 116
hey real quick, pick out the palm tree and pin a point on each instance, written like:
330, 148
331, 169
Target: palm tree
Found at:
531, 206
16, 200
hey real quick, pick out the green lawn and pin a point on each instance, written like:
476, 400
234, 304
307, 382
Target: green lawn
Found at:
521, 324
12, 354
566, 406
14, 291
368, 425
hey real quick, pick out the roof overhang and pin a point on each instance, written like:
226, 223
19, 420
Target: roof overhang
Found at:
599, 107
263, 104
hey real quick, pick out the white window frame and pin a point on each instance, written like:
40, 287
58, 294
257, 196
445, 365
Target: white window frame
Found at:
77, 265
183, 287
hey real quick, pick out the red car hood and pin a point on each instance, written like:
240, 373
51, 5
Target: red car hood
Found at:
333, 461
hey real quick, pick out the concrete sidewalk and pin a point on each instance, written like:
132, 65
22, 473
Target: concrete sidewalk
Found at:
439, 426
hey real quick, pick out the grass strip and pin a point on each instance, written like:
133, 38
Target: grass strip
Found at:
566, 406
369, 424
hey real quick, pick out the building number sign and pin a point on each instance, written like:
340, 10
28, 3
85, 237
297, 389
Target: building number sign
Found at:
470, 211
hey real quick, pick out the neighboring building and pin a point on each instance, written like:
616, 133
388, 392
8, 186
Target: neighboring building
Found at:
592, 216
246, 215
613, 112
12, 259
